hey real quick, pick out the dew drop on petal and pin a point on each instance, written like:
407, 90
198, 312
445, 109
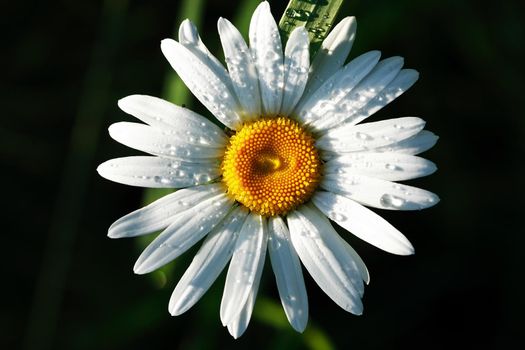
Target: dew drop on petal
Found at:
161, 180
391, 167
363, 136
337, 216
388, 200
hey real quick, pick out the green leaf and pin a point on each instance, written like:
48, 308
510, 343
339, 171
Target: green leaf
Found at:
317, 16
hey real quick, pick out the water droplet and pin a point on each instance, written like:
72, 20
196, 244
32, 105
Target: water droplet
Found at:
202, 178
316, 30
363, 136
298, 14
161, 180
337, 216
388, 200
272, 56
291, 297
392, 167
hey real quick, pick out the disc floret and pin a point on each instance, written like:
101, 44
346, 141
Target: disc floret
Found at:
271, 166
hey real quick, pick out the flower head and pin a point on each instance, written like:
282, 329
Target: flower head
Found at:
296, 156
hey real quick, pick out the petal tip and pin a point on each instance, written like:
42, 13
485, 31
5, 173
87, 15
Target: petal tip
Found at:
101, 169
299, 326
113, 234
140, 268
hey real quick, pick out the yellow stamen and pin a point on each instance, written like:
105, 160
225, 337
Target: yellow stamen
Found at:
271, 166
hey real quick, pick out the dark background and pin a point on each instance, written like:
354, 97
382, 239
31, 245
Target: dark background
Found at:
67, 286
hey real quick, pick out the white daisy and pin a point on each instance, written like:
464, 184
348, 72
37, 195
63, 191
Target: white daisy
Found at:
295, 154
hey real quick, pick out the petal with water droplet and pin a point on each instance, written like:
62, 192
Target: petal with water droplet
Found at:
238, 325
329, 95
241, 69
332, 55
402, 82
166, 116
156, 172
296, 62
418, 143
369, 136
161, 213
265, 43
245, 267
386, 166
153, 141
186, 229
210, 88
326, 258
362, 222
379, 193
367, 89
190, 39
208, 263
288, 274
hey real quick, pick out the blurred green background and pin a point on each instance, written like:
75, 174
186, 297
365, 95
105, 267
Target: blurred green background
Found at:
67, 286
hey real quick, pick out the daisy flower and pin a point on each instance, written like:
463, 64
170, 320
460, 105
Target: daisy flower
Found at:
295, 155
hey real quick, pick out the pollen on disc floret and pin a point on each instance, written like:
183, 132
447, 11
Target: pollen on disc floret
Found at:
271, 166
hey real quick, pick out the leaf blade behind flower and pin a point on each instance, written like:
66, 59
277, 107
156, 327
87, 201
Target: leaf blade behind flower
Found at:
317, 16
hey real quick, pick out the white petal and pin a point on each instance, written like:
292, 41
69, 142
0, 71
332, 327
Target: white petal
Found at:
242, 69
368, 136
418, 143
247, 260
209, 88
156, 172
402, 82
332, 54
363, 223
325, 256
359, 263
164, 115
386, 166
208, 263
265, 43
327, 98
145, 138
240, 322
185, 230
296, 62
190, 39
288, 274
382, 74
161, 213
379, 193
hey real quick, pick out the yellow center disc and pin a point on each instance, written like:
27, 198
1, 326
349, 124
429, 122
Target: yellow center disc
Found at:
271, 166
